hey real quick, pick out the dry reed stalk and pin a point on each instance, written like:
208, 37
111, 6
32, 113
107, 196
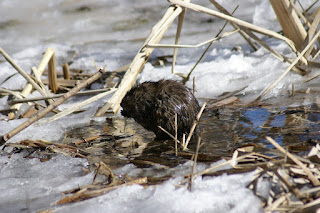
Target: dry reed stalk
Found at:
288, 184
69, 150
28, 88
84, 194
52, 106
178, 33
314, 203
312, 31
79, 106
194, 45
216, 167
86, 140
311, 5
239, 22
224, 97
31, 110
66, 72
38, 80
223, 102
195, 123
292, 90
304, 17
171, 136
25, 92
64, 82
247, 32
102, 164
290, 67
16, 94
139, 60
186, 78
53, 84
24, 100
176, 133
311, 177
242, 32
21, 71
194, 164
45, 60
273, 206
314, 57
290, 22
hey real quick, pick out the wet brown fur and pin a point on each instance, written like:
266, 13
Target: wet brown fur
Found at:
154, 104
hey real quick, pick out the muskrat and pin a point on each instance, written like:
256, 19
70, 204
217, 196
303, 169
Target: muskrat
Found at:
154, 104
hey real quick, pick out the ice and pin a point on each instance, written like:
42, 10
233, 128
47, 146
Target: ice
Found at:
53, 131
29, 185
227, 71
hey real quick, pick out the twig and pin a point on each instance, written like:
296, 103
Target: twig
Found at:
16, 94
24, 100
239, 22
190, 45
106, 167
311, 177
312, 31
195, 123
290, 67
140, 59
28, 88
194, 164
79, 106
262, 43
215, 167
290, 22
242, 32
311, 5
85, 194
52, 106
38, 80
176, 133
179, 28
168, 133
304, 17
95, 64
185, 79
288, 184
313, 77
315, 202
21, 71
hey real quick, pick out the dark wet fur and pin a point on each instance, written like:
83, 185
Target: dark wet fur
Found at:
154, 104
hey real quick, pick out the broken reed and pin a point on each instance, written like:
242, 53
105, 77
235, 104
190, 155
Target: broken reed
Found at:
52, 106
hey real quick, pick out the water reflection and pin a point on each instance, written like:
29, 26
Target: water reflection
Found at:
123, 141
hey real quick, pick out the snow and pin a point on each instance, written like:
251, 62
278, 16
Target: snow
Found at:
111, 33
29, 183
213, 194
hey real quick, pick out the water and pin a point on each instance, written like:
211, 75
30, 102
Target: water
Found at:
121, 141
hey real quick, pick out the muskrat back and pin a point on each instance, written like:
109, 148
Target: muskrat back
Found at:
154, 104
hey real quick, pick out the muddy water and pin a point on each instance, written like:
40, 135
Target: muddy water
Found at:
121, 141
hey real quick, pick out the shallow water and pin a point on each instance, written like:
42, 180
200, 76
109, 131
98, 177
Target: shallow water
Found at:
122, 141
